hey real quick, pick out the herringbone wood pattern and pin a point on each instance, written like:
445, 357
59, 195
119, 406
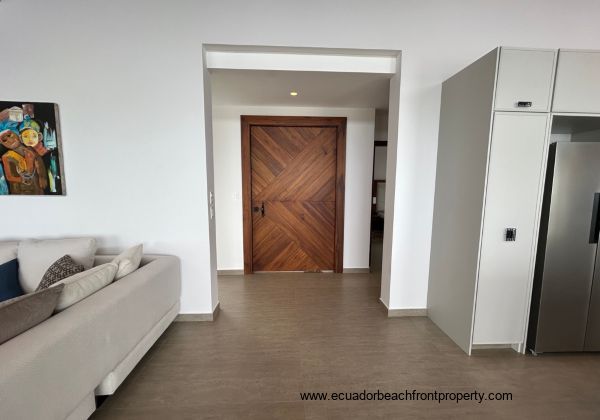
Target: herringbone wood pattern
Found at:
293, 176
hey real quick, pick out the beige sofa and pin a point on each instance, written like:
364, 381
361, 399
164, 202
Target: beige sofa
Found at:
54, 370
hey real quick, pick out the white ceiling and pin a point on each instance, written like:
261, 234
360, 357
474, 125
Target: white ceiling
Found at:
318, 89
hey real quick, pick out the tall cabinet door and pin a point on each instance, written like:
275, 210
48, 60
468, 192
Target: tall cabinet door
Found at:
511, 208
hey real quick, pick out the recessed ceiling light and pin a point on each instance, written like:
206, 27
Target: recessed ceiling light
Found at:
293, 93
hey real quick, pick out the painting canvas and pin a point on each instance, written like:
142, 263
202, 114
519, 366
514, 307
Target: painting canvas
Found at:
30, 149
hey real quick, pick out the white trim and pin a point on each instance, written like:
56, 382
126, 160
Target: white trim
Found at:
529, 49
230, 272
493, 346
401, 313
576, 50
357, 270
235, 60
383, 303
574, 114
518, 347
199, 317
300, 50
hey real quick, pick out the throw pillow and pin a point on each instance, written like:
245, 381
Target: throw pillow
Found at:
8, 251
84, 284
36, 256
61, 269
19, 314
9, 280
128, 261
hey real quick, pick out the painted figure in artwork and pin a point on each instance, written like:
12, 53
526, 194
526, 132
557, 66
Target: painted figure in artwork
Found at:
32, 136
24, 168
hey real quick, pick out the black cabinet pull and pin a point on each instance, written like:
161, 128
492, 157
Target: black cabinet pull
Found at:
524, 104
595, 227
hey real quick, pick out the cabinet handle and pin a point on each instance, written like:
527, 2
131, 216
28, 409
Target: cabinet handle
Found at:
524, 104
595, 228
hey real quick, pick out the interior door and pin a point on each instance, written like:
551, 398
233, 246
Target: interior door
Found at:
505, 270
293, 196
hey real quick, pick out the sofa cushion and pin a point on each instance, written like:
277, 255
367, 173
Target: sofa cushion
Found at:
84, 284
19, 314
36, 256
8, 251
128, 261
9, 280
61, 269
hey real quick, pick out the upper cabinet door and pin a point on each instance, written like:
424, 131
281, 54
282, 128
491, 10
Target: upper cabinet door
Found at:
525, 80
577, 82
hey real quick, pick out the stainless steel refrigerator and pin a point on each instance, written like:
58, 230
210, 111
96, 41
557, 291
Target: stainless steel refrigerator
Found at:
565, 308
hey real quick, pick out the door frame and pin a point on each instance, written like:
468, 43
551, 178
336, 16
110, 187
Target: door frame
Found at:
247, 121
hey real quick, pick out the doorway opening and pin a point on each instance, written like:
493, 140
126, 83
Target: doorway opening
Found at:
354, 85
378, 192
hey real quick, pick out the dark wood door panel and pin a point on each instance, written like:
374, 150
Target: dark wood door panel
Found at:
308, 174
292, 170
302, 231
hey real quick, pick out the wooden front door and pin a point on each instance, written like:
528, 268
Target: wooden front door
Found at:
293, 193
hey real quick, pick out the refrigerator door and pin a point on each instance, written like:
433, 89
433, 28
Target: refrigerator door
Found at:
570, 252
592, 333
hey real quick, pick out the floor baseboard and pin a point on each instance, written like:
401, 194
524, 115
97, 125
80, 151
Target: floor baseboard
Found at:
200, 317
515, 347
401, 313
230, 272
357, 270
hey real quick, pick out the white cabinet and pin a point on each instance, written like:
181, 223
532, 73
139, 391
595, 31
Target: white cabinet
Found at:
577, 82
525, 80
488, 179
506, 270
490, 171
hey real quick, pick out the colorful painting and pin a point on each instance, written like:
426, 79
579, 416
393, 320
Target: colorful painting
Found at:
30, 149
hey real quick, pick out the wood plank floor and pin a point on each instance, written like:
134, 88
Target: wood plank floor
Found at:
278, 335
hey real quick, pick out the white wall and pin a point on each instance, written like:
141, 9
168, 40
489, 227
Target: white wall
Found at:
128, 78
228, 179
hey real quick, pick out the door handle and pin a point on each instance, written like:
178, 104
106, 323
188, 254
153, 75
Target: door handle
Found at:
595, 226
260, 209
524, 104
